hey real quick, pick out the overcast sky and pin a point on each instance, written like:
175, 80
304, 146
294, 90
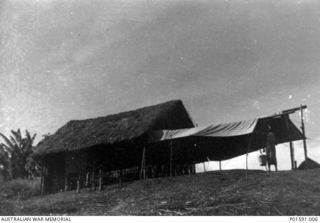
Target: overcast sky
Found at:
227, 61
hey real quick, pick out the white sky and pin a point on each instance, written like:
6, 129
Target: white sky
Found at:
227, 61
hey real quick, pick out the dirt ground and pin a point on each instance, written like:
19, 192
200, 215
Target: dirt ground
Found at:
231, 193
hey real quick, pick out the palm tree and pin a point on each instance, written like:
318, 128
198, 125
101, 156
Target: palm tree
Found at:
4, 163
18, 149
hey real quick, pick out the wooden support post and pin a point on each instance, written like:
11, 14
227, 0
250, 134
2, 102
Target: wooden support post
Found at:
247, 161
293, 110
41, 183
248, 149
100, 180
171, 158
66, 182
120, 176
220, 167
42, 187
247, 166
292, 155
143, 164
290, 142
78, 185
303, 133
93, 183
42, 180
87, 179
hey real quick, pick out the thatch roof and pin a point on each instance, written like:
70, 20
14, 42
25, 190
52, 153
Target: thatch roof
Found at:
125, 126
308, 164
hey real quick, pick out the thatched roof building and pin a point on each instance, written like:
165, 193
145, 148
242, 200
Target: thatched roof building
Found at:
112, 129
110, 146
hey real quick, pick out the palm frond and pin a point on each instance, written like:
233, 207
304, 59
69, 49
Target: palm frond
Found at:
8, 142
33, 138
14, 142
18, 136
7, 148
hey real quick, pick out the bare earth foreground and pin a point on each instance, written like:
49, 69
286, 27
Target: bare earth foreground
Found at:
211, 193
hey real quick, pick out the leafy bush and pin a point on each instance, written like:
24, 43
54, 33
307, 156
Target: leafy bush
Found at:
20, 188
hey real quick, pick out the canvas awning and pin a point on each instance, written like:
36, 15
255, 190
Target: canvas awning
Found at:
221, 130
229, 140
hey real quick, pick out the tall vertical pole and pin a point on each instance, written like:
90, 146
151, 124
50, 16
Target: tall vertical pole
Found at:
144, 164
100, 180
143, 160
43, 172
66, 182
304, 134
93, 182
247, 161
248, 148
292, 155
290, 142
78, 185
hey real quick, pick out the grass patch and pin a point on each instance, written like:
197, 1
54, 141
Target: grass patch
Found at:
20, 189
231, 193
